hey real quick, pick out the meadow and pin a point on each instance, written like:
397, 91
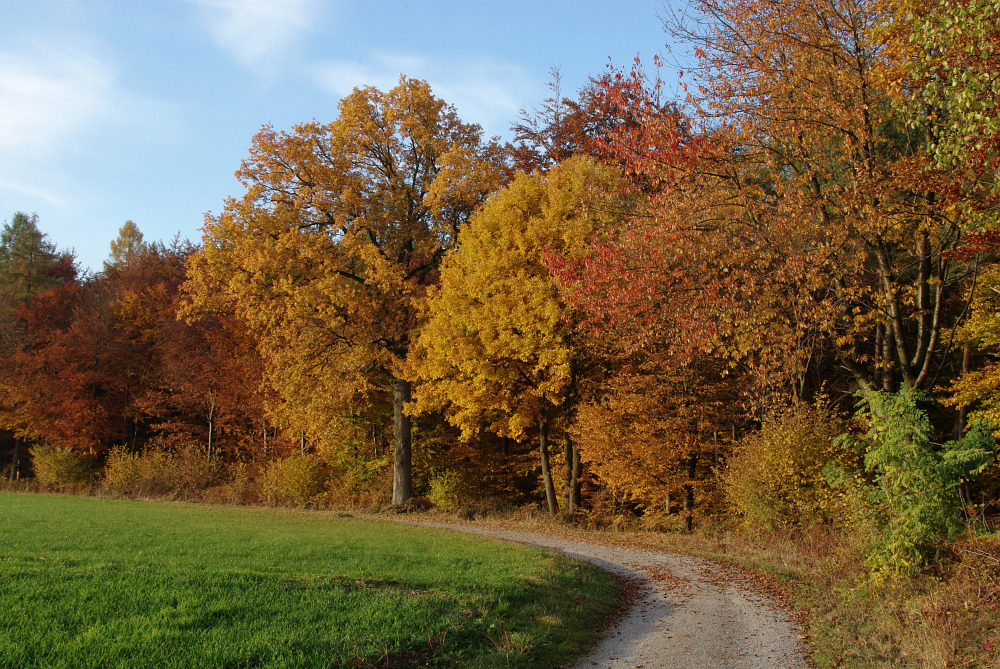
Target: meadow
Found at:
94, 582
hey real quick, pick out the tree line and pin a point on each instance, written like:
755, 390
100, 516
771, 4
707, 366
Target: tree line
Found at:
674, 306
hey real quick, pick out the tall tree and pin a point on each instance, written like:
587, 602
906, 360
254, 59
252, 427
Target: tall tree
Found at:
128, 246
29, 265
27, 259
804, 222
500, 347
341, 231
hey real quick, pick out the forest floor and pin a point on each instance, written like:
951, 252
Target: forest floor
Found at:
682, 611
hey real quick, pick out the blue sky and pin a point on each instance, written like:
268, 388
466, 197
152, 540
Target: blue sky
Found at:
142, 109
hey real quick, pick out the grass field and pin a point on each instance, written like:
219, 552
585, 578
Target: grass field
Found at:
88, 582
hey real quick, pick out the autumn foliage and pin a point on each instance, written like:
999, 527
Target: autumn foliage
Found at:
642, 305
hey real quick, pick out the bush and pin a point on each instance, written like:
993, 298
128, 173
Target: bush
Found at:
135, 473
448, 491
917, 482
56, 468
157, 472
777, 475
298, 480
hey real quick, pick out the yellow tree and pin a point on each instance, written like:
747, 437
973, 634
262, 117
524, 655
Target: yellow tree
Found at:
500, 347
340, 233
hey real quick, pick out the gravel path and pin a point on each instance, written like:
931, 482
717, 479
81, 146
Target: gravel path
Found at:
689, 612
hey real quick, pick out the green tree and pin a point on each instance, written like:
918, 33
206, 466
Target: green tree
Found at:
27, 259
917, 480
342, 229
128, 247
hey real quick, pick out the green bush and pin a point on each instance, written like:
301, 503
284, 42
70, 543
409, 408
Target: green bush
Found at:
776, 475
298, 479
917, 482
56, 467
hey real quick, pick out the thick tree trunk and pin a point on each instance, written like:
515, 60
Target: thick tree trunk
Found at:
15, 461
543, 445
402, 474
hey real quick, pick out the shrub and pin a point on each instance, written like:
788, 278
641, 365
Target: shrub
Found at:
447, 491
135, 473
776, 475
157, 472
298, 479
56, 467
917, 482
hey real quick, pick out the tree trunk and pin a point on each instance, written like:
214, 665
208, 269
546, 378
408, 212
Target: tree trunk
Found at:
543, 445
568, 505
573, 471
15, 461
961, 416
402, 472
577, 475
689, 494
211, 429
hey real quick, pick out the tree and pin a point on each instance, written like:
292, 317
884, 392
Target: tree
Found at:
564, 127
798, 223
500, 349
342, 230
27, 259
652, 428
128, 246
29, 265
947, 55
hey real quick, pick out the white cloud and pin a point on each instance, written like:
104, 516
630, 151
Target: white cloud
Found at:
484, 91
61, 106
48, 98
256, 31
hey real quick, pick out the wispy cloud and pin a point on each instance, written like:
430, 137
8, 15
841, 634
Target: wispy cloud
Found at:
59, 105
49, 97
254, 32
485, 91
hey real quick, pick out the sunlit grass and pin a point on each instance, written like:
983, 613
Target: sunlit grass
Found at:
90, 582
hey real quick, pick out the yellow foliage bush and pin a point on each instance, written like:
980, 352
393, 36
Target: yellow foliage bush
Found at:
298, 479
156, 472
776, 475
137, 473
57, 467
448, 491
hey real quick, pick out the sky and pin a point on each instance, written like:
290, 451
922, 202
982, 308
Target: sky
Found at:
115, 110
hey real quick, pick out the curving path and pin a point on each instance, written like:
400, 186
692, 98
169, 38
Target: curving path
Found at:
688, 612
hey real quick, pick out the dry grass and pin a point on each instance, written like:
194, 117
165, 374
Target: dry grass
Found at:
946, 618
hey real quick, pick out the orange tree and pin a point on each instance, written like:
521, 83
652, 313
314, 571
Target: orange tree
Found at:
800, 221
341, 231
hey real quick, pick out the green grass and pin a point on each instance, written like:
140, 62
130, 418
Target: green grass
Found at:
87, 582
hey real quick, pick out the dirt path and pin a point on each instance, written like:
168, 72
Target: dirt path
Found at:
688, 613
